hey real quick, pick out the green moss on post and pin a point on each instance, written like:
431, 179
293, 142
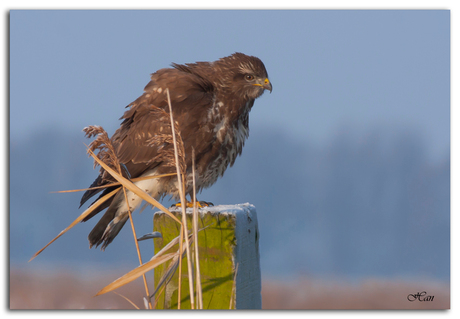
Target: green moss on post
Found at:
226, 242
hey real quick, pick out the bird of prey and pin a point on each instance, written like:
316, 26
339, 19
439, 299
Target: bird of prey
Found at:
210, 105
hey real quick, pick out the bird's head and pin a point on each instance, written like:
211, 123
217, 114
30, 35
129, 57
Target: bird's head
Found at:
249, 77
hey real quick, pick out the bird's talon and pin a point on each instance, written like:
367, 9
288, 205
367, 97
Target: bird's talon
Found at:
199, 204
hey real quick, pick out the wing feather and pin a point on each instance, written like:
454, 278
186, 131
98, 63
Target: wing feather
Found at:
148, 117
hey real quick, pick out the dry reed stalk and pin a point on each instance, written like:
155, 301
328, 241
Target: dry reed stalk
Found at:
138, 252
182, 197
133, 188
137, 179
169, 272
136, 273
127, 299
179, 288
107, 159
122, 181
158, 296
107, 152
155, 261
105, 156
199, 292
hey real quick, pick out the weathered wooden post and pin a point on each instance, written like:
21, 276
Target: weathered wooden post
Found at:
228, 253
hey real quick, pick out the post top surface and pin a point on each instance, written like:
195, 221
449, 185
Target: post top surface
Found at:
222, 209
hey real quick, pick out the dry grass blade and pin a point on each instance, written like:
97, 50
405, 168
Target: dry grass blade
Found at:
174, 242
158, 297
137, 179
182, 197
137, 249
167, 247
136, 273
168, 274
127, 299
133, 188
79, 219
106, 153
156, 260
123, 181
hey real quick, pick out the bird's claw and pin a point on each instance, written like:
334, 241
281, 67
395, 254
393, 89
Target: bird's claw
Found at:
199, 204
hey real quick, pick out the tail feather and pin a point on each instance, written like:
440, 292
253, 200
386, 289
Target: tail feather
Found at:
116, 215
108, 227
112, 230
103, 206
91, 192
95, 236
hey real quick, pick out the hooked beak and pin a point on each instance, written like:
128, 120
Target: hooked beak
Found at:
266, 85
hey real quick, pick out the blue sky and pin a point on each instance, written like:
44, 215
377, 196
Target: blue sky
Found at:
330, 69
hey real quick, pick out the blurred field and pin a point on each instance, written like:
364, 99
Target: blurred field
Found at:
60, 290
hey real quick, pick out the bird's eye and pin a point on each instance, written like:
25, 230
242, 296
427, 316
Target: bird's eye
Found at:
249, 77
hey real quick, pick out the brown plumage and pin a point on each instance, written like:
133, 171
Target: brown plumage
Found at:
210, 102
